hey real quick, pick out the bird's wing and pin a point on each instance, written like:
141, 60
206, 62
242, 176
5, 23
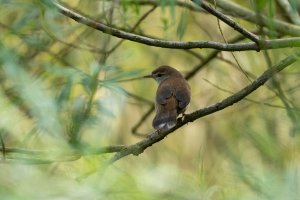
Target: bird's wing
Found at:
166, 114
183, 95
165, 92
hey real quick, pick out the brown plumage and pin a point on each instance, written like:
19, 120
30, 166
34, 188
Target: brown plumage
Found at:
172, 96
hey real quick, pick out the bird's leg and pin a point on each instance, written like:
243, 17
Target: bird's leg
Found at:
182, 117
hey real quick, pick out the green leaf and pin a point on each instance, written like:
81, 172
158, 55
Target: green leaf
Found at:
171, 4
65, 92
100, 105
182, 25
260, 4
36, 41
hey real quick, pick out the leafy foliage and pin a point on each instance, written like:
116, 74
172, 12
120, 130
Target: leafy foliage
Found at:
65, 95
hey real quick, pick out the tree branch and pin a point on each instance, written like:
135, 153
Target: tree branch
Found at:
184, 4
138, 148
228, 21
291, 13
44, 156
238, 11
267, 44
235, 10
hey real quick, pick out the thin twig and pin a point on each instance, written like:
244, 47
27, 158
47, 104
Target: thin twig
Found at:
237, 62
290, 11
262, 102
229, 22
195, 54
135, 128
236, 10
278, 91
3, 146
134, 27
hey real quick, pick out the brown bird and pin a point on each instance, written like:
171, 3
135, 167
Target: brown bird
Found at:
172, 96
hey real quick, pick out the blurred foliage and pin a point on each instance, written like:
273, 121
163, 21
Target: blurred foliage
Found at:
63, 94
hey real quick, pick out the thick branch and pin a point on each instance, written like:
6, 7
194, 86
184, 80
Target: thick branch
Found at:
155, 137
268, 44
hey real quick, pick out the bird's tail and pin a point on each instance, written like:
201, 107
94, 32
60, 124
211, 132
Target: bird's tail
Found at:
166, 115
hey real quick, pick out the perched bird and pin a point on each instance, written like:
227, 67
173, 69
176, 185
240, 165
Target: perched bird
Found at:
172, 96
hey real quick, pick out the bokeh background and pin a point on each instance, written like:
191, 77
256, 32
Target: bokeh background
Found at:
62, 94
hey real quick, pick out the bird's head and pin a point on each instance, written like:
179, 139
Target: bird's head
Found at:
162, 73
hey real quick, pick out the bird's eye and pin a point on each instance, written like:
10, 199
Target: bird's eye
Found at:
159, 75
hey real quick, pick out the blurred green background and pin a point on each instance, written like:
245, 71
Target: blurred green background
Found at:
61, 95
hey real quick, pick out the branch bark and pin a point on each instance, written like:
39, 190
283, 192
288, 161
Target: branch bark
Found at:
267, 44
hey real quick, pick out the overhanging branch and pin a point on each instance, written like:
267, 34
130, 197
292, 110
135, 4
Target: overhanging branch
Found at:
267, 44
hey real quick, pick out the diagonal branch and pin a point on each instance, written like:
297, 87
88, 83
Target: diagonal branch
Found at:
228, 21
138, 148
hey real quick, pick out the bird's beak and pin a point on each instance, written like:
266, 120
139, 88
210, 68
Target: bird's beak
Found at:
148, 76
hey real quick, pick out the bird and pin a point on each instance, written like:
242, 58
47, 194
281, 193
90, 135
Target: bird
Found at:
173, 95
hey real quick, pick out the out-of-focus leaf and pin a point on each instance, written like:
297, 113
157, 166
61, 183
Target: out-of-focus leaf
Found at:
260, 4
90, 81
48, 3
125, 5
31, 90
95, 68
135, 7
54, 30
270, 7
25, 20
36, 41
165, 23
181, 28
65, 92
119, 75
78, 119
86, 82
171, 4
264, 143
104, 109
